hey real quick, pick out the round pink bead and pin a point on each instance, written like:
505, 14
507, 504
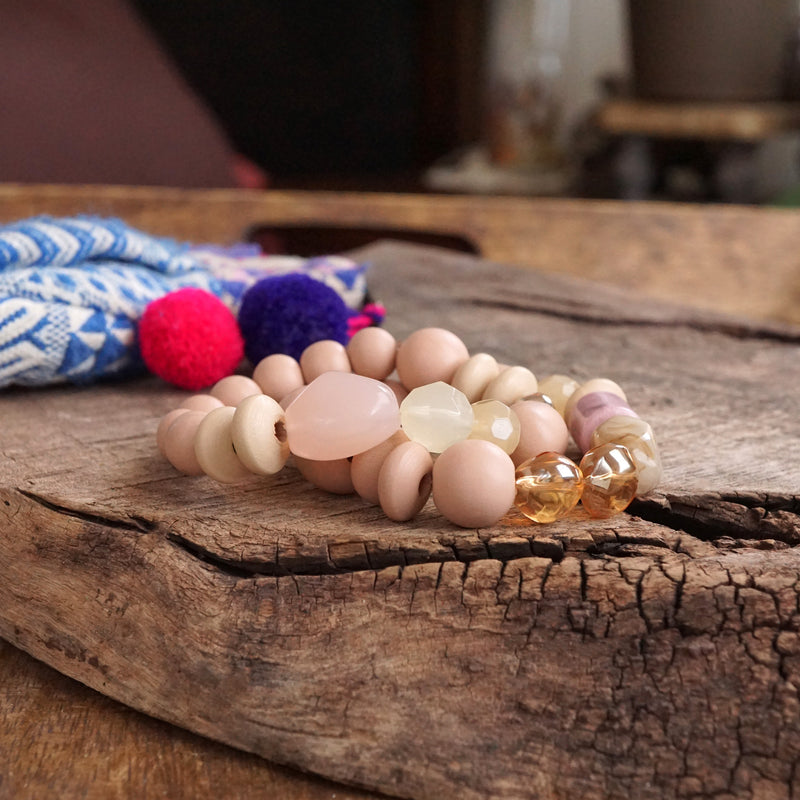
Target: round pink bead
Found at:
591, 411
429, 355
163, 427
179, 442
340, 414
372, 353
542, 429
201, 402
277, 375
404, 483
473, 483
232, 389
366, 466
325, 355
332, 476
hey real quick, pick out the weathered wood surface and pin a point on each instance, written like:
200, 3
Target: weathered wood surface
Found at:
736, 259
653, 655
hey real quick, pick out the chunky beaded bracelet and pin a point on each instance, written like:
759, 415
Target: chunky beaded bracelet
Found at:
479, 436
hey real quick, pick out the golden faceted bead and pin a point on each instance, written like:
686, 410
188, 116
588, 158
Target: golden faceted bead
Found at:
495, 422
610, 481
548, 487
559, 388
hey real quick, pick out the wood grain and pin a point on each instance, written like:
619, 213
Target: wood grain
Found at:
652, 655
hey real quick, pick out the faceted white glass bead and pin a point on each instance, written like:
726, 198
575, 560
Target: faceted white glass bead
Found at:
436, 415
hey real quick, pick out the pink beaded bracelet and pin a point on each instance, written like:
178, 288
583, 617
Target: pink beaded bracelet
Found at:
397, 423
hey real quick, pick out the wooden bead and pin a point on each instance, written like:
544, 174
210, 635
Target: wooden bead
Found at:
179, 442
201, 402
259, 436
325, 355
473, 483
542, 429
232, 389
404, 481
510, 385
163, 427
429, 355
372, 353
213, 447
366, 466
332, 476
475, 374
278, 375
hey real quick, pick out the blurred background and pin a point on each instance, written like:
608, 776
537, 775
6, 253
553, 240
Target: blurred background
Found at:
691, 100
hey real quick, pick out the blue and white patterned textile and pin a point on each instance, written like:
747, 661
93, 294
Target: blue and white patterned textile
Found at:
72, 291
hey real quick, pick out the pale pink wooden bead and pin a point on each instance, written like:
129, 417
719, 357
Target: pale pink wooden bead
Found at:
259, 436
201, 402
277, 375
291, 397
404, 481
400, 391
429, 355
473, 483
366, 466
593, 385
213, 447
325, 355
332, 476
179, 442
372, 353
232, 389
163, 426
542, 429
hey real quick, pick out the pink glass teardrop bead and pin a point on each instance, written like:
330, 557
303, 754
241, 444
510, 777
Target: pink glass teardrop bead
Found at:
340, 414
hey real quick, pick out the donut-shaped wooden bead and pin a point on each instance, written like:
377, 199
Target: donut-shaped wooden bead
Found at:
366, 466
259, 436
510, 385
475, 374
372, 353
429, 355
325, 355
179, 442
473, 483
277, 375
232, 389
332, 476
404, 481
201, 402
163, 427
593, 385
213, 447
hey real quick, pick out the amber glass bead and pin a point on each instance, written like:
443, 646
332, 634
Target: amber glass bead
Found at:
495, 422
548, 487
610, 482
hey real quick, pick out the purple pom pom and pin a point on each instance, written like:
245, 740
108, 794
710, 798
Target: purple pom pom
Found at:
286, 313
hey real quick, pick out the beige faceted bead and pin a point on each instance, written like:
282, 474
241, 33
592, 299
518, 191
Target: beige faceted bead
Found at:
163, 427
259, 436
331, 476
510, 385
429, 355
201, 402
475, 374
213, 447
372, 353
179, 442
404, 481
366, 466
559, 388
637, 436
473, 483
325, 355
234, 388
593, 385
277, 375
495, 422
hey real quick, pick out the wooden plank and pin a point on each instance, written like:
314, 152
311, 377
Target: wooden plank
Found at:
740, 260
651, 655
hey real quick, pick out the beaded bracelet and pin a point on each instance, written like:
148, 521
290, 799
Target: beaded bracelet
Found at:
479, 436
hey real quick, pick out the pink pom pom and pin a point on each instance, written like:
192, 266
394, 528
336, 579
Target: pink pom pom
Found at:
190, 338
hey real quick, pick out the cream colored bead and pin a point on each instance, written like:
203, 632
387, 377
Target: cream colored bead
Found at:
277, 375
495, 422
201, 402
163, 427
213, 447
404, 482
593, 385
637, 436
475, 374
559, 388
372, 353
366, 466
325, 355
234, 388
259, 436
179, 442
331, 476
510, 385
